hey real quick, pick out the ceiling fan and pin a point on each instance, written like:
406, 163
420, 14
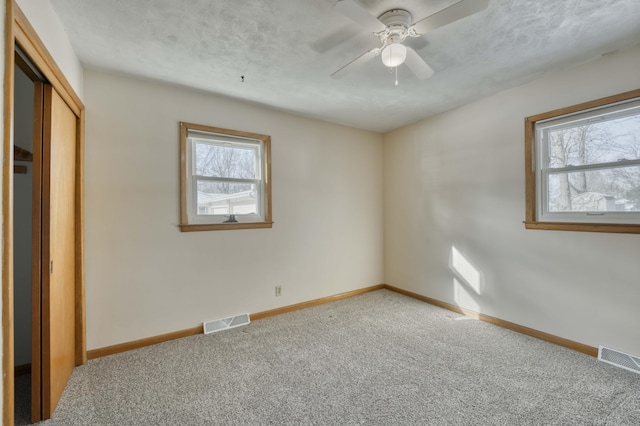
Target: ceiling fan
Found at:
394, 26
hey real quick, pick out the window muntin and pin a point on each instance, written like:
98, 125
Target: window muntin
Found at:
225, 179
586, 164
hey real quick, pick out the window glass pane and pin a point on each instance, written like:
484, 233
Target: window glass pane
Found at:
237, 162
223, 198
613, 190
603, 141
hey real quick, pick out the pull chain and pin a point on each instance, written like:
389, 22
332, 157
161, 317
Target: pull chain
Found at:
396, 76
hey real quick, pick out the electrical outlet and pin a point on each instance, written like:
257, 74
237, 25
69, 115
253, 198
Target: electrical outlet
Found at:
278, 290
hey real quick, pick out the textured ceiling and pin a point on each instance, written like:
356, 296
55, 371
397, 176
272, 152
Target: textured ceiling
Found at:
287, 49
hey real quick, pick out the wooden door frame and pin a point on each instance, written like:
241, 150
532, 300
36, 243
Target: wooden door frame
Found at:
18, 31
36, 254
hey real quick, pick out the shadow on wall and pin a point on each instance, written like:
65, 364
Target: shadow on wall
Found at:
468, 281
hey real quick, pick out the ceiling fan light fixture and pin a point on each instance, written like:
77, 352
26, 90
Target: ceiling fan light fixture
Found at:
393, 55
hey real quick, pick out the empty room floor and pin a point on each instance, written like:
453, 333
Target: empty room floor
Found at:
379, 358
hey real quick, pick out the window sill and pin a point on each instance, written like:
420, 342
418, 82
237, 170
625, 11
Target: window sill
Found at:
223, 226
584, 227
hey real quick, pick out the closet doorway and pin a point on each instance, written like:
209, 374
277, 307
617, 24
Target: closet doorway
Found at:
23, 194
49, 271
43, 224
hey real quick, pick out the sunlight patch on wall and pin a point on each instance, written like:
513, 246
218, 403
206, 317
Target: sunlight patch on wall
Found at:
468, 281
463, 297
465, 270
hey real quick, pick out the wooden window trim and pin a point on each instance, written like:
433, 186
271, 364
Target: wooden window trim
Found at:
531, 221
185, 226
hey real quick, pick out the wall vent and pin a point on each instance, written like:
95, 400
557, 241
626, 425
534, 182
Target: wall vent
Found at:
225, 323
619, 359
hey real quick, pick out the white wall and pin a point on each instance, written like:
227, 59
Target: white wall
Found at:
144, 277
456, 182
48, 26
22, 202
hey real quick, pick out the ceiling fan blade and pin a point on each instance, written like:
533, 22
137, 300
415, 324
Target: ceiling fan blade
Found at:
360, 60
455, 12
357, 13
417, 65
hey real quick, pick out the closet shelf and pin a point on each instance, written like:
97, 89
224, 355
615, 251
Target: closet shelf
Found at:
20, 154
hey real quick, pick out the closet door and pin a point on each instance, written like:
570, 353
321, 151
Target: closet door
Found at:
58, 248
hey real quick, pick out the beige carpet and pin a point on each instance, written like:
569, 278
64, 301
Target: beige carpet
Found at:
377, 359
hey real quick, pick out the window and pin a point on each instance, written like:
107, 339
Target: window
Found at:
583, 166
225, 179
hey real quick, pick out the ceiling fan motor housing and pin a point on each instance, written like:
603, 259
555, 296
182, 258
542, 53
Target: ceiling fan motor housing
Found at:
398, 22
